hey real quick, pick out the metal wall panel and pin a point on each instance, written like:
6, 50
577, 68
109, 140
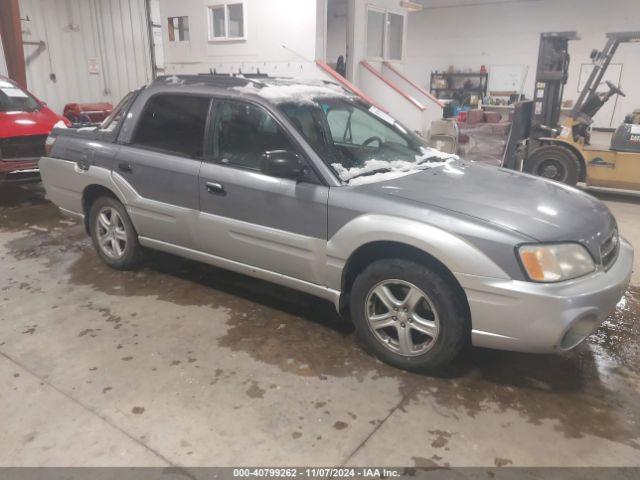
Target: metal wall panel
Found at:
85, 50
3, 63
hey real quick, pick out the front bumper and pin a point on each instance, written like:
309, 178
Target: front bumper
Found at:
19, 170
536, 317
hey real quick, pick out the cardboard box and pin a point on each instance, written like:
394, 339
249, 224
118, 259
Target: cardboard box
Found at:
475, 116
492, 117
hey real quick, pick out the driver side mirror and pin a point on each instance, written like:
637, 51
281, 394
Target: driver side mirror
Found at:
282, 164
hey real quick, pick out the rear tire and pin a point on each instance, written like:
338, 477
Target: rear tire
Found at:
113, 234
554, 162
419, 325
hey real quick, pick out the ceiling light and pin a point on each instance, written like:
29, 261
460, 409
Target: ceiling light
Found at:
410, 6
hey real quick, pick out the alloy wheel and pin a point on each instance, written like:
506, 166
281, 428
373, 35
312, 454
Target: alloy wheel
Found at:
111, 233
402, 317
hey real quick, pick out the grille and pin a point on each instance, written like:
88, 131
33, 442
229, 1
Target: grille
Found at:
22, 147
609, 249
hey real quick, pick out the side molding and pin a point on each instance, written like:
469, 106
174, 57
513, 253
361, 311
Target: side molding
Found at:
284, 280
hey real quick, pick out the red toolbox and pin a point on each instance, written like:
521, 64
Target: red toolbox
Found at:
87, 112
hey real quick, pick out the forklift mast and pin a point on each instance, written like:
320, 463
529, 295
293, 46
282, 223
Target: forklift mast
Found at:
535, 120
589, 102
551, 76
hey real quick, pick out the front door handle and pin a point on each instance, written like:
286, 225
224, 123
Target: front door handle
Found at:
215, 188
125, 167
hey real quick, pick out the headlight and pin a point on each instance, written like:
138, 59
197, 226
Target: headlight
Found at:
555, 262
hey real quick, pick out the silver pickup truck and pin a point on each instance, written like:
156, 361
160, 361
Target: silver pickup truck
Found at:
307, 186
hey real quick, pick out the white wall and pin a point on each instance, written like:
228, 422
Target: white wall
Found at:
509, 34
280, 39
113, 32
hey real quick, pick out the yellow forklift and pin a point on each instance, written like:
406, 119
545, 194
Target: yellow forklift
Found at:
539, 145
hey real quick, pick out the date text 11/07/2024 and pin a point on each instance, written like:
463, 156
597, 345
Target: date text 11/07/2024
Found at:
368, 472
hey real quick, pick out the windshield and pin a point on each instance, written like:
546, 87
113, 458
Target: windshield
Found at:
14, 99
356, 141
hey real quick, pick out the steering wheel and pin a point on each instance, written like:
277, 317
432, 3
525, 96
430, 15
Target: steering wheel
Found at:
371, 140
615, 89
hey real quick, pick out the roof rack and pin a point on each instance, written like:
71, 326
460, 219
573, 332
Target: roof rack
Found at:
239, 73
213, 79
236, 79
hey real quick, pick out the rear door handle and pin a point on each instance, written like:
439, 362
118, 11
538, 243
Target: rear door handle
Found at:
215, 188
125, 167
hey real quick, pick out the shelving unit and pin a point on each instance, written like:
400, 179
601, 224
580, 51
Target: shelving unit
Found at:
466, 88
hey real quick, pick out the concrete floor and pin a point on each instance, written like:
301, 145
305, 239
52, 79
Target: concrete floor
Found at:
184, 364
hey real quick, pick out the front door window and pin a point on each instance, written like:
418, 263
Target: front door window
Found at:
244, 132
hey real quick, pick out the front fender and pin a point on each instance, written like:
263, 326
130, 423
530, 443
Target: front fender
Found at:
457, 254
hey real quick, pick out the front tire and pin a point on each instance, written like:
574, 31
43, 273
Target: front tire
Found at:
555, 163
113, 234
408, 315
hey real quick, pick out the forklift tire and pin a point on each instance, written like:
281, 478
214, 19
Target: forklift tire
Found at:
554, 162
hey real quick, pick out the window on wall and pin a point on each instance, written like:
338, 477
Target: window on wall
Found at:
178, 29
385, 34
227, 22
395, 33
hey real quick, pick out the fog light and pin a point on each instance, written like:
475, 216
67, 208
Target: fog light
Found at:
580, 329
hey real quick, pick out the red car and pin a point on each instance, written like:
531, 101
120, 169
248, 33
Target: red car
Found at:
25, 123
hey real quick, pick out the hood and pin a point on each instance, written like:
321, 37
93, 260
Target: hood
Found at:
539, 209
16, 124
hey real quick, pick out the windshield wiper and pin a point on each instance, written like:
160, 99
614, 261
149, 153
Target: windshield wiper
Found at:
371, 172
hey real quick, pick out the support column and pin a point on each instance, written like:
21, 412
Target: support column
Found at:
11, 31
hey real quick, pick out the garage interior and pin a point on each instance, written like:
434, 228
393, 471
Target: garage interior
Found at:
180, 364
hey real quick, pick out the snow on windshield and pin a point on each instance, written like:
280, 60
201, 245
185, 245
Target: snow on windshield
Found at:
430, 158
310, 93
295, 93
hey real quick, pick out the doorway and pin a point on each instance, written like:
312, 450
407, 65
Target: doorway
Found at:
336, 54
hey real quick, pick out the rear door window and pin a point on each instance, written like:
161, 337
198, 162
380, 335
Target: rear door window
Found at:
174, 123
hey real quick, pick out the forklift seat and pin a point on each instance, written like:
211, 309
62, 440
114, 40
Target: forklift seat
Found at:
626, 138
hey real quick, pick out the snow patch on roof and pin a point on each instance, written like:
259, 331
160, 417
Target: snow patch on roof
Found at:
174, 80
294, 92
